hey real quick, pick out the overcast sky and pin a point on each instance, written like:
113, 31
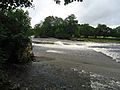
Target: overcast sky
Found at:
89, 11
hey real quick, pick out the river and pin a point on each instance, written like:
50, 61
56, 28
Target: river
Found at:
110, 49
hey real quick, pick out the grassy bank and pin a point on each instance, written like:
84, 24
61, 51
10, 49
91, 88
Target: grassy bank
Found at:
102, 40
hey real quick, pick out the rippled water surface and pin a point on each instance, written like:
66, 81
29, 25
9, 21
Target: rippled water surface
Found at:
109, 49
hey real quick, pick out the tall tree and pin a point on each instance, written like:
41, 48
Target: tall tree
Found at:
61, 31
14, 38
48, 26
70, 25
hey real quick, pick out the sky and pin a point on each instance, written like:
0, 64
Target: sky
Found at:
92, 12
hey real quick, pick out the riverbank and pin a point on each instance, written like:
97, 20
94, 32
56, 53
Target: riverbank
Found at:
100, 40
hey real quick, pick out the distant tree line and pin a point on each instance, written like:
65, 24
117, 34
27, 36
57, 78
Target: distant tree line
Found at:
69, 28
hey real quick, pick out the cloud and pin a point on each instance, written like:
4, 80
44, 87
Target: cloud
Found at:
46, 8
89, 11
101, 11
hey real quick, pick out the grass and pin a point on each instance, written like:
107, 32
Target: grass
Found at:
102, 40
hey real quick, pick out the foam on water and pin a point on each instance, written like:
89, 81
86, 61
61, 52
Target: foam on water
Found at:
61, 45
109, 49
58, 43
99, 82
55, 51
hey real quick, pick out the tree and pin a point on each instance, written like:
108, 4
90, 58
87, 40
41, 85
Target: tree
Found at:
117, 31
70, 25
77, 31
48, 27
67, 1
15, 31
15, 25
12, 4
70, 1
60, 31
102, 30
86, 30
57, 27
37, 29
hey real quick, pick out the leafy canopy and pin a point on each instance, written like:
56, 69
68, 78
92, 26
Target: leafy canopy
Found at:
67, 1
12, 4
14, 33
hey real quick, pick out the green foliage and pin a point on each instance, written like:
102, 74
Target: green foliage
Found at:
69, 29
15, 46
57, 27
70, 1
70, 25
48, 26
14, 28
102, 30
86, 30
67, 1
117, 32
12, 4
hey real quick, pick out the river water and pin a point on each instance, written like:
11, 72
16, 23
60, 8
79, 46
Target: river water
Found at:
110, 49
95, 81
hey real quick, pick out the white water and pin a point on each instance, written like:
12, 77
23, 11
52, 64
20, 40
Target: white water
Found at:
109, 49
99, 82
60, 45
55, 51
